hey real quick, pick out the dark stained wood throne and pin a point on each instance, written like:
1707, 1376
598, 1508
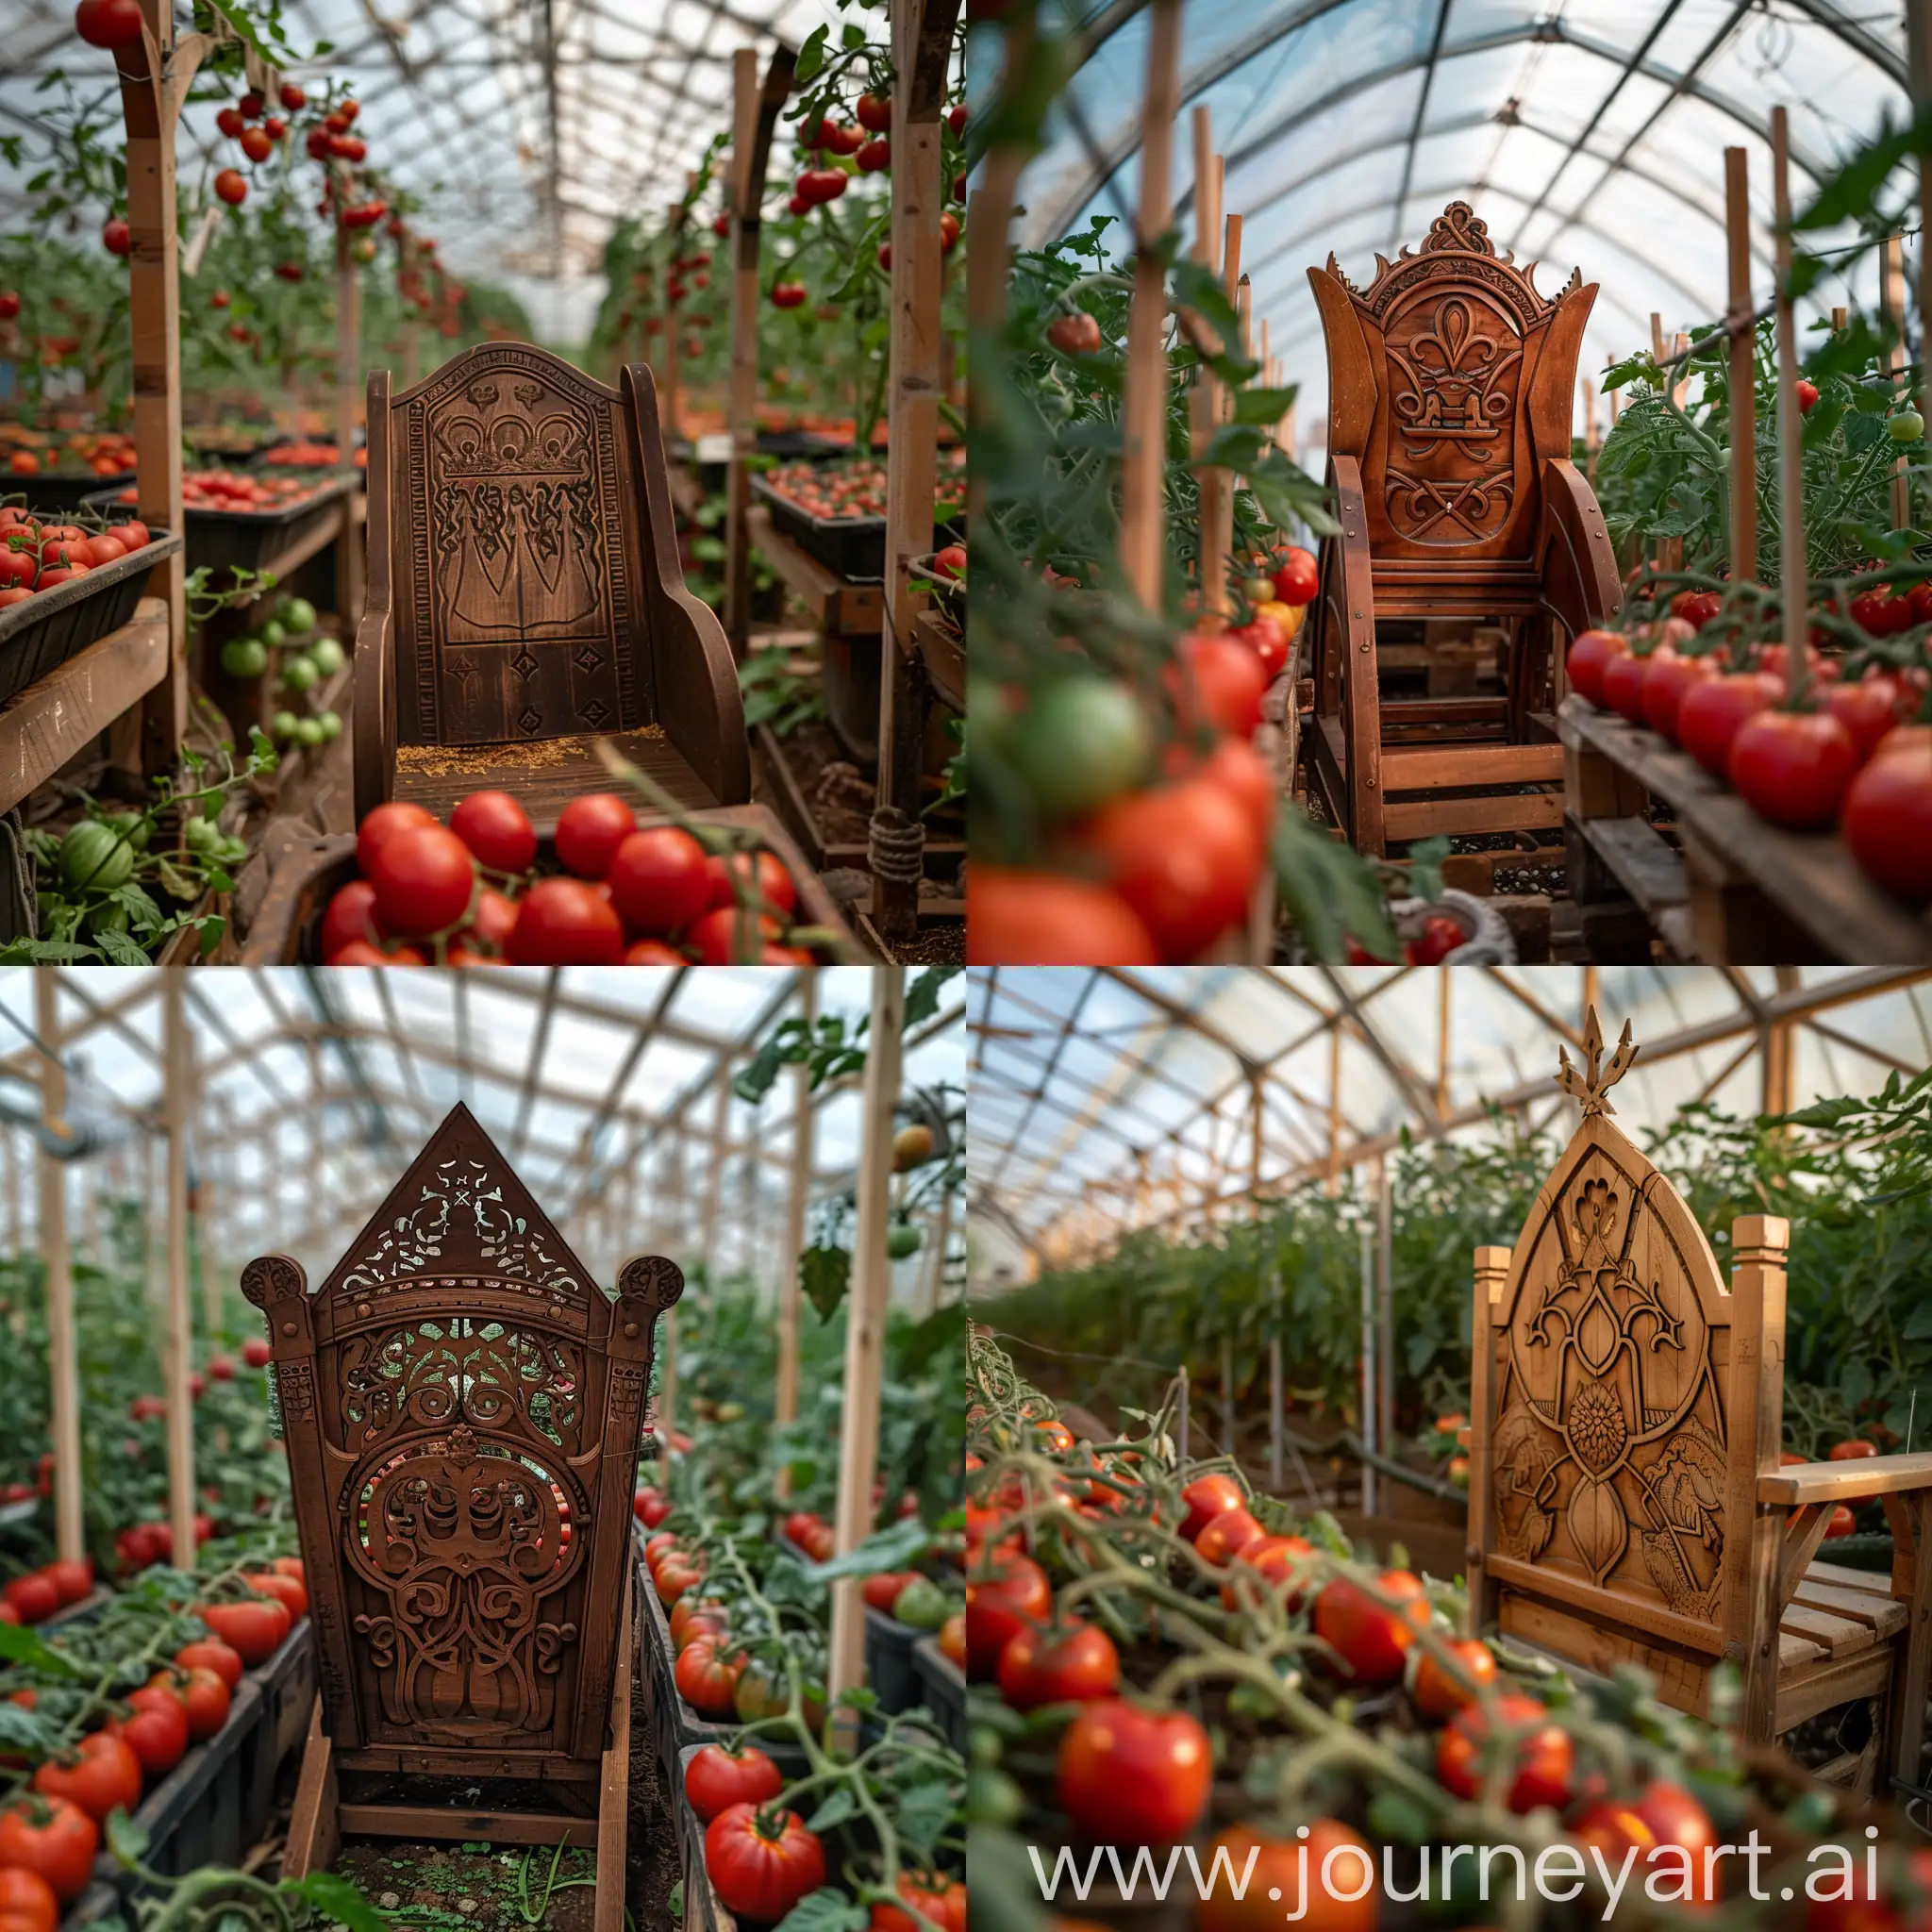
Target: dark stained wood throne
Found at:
462, 1406
1450, 382
1627, 1502
525, 593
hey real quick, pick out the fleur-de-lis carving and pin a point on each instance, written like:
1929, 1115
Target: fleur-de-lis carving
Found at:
1590, 1083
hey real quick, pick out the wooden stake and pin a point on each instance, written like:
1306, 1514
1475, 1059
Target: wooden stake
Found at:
1791, 473
668, 387
1891, 298
797, 1200
178, 1357
64, 1364
666, 1411
348, 401
865, 1334
1204, 404
1743, 383
412, 336
1143, 535
1332, 1186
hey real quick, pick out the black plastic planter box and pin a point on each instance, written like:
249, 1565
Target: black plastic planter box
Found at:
224, 540
944, 1689
888, 1666
43, 631
63, 490
215, 1804
850, 548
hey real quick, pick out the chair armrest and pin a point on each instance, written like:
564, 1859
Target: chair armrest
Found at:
1803, 1484
699, 702
373, 749
1573, 549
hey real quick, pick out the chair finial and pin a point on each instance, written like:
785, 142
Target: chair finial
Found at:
1588, 1085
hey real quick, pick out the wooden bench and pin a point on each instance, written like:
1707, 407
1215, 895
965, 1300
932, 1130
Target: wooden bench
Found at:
1626, 1503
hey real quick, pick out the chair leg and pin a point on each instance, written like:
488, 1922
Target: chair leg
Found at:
315, 1824
614, 1812
1905, 1728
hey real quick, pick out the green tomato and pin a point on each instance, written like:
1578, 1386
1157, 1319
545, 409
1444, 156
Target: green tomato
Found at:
244, 657
902, 1240
309, 731
202, 835
94, 858
132, 826
298, 614
922, 1604
1081, 740
326, 656
331, 723
273, 634
282, 726
1906, 426
299, 674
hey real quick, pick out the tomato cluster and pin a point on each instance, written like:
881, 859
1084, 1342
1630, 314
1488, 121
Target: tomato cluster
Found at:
1848, 753
37, 555
649, 896
44, 1593
252, 491
105, 453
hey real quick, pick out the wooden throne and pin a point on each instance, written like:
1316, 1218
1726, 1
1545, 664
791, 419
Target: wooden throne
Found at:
462, 1406
1626, 1503
1450, 382
525, 591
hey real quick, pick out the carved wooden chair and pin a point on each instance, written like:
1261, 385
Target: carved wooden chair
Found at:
462, 1406
1626, 1501
1450, 382
525, 591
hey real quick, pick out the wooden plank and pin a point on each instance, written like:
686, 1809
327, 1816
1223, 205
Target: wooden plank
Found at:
1743, 353
1654, 1619
1846, 1482
48, 722
1749, 1618
1453, 817
1472, 764
1812, 1687
178, 1358
1404, 713
798, 1195
312, 543
63, 1356
1803, 1532
613, 1805
1683, 1679
842, 609
315, 1831
1885, 1616
1907, 1719
1845, 1577
495, 1827
1644, 862
1839, 1636
1794, 1650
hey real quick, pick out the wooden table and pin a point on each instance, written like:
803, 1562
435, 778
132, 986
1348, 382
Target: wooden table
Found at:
840, 609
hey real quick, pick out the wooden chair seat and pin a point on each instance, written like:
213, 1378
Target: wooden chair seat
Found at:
549, 775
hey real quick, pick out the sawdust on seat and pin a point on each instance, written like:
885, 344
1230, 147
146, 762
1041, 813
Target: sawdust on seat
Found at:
480, 761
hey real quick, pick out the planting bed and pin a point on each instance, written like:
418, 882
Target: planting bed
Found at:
242, 529
53, 625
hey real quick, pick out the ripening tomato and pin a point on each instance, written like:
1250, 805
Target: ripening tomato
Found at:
952, 1639
1710, 714
716, 1779
1587, 659
566, 922
1297, 576
1206, 1497
707, 1678
1219, 682
1696, 607
1792, 767
1229, 1534
940, 1902
497, 829
54, 1839
1048, 919
351, 916
651, 1506
1623, 683
1853, 1450
108, 23
1013, 1595
733, 935
211, 1654
103, 1772
1273, 1558
735, 876
73, 1578
424, 878
589, 830
288, 1590
157, 1731
1542, 1757
1184, 856
1075, 335
1806, 392
1887, 817
377, 826
1268, 642
658, 880
1880, 613
761, 1864
674, 1576
1371, 1642
1869, 710
1133, 1776
28, 1901
1325, 1882
1062, 1665
1843, 1523
254, 1629
1670, 675
1442, 1692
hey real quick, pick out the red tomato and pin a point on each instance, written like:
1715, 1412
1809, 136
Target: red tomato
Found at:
1880, 614
108, 23
1312, 1883
1275, 1559
707, 1679
1075, 335
254, 1629
497, 829
1665, 683
716, 1779
34, 1598
1440, 936
424, 880
1887, 819
653, 953
1441, 1693
1184, 856
493, 920
940, 1901
1206, 1497
1012, 1596
28, 1901
287, 1590
257, 1353
1217, 681
1297, 576
396, 816
882, 1591
1543, 1759
659, 880
1868, 709
1058, 1666
732, 935
651, 1506
566, 922
1710, 715
1623, 684
101, 549
767, 882
103, 1772
1371, 1642
351, 916
211, 1654
1224, 1539
1133, 1776
1807, 394
1696, 607
1843, 1523
54, 1841
589, 830
1268, 640
760, 1864
1242, 773
1047, 918
73, 1578
157, 1731
1794, 767
1855, 1450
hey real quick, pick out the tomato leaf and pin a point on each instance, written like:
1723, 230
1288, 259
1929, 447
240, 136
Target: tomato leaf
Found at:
339, 1898
840, 1804
892, 1548
1262, 405
20, 1645
826, 1911
128, 1840
926, 1811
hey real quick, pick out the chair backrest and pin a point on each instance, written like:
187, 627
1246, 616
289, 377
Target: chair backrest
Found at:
1450, 380
521, 537
1623, 1401
462, 1406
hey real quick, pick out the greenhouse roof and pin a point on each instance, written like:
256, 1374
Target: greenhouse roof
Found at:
1105, 1100
1584, 132
314, 1090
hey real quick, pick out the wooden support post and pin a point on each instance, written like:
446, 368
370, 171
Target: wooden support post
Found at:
943, 1241
63, 1362
1491, 1273
1144, 410
1443, 996
348, 400
1384, 1307
1758, 1243
665, 1411
667, 388
178, 1357
1332, 1184
1369, 1376
865, 1334
1791, 473
1778, 1043
411, 348
1204, 404
10, 1145
1591, 441
797, 1199
921, 52
1891, 298
1918, 66
1743, 385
